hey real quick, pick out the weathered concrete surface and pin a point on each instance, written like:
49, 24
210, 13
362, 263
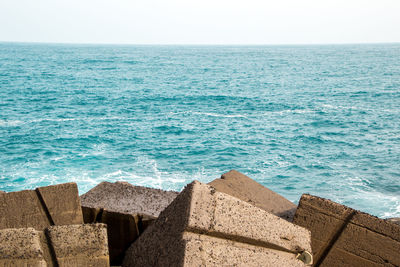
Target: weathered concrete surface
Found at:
205, 227
69, 245
126, 209
41, 208
122, 229
21, 247
126, 198
394, 220
63, 203
80, 245
240, 186
22, 209
342, 236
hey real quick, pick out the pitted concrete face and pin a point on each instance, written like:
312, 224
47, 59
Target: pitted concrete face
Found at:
240, 186
126, 198
342, 236
21, 246
70, 245
205, 227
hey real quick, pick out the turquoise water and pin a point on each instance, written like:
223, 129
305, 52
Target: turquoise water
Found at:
323, 120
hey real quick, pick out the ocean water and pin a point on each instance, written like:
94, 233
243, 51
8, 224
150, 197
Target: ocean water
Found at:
323, 120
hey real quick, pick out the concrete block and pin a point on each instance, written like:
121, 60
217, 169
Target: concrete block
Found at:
69, 245
41, 208
126, 198
122, 229
22, 209
126, 209
394, 220
346, 237
205, 227
21, 247
240, 186
80, 245
63, 203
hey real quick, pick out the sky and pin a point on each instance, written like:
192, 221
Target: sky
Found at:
200, 21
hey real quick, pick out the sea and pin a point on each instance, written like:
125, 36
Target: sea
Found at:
317, 119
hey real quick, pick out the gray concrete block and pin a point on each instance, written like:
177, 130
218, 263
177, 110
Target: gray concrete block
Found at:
205, 227
126, 198
240, 186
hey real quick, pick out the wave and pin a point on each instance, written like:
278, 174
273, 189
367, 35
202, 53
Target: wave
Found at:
220, 115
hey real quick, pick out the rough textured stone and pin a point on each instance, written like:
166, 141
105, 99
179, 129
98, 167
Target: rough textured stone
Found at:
126, 209
342, 236
122, 229
240, 186
63, 203
205, 227
125, 198
22, 209
80, 245
70, 245
41, 208
394, 220
21, 247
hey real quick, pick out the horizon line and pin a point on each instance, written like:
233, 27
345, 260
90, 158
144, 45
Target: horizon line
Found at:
195, 44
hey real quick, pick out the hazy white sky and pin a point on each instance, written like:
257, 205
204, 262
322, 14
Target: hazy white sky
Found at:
200, 21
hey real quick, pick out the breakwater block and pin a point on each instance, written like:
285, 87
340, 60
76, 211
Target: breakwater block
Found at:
41, 208
240, 186
394, 220
126, 209
67, 245
122, 229
126, 198
342, 236
204, 227
21, 247
80, 245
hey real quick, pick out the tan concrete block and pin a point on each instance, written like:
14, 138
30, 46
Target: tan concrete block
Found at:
22, 209
126, 198
41, 208
346, 236
63, 203
342, 258
240, 186
369, 245
214, 251
80, 245
91, 215
201, 223
21, 247
122, 229
394, 220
